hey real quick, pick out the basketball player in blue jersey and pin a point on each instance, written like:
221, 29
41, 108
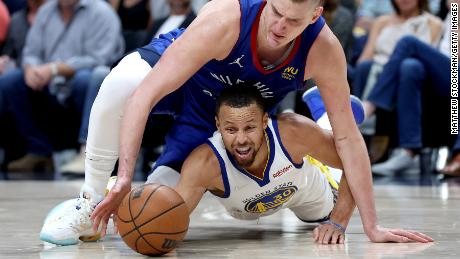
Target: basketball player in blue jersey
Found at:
277, 44
257, 165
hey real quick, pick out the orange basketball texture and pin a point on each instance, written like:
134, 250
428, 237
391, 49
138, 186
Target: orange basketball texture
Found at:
152, 219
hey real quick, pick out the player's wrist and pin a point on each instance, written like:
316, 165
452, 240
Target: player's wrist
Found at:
371, 230
340, 227
340, 218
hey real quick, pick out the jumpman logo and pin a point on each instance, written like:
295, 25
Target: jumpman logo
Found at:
237, 61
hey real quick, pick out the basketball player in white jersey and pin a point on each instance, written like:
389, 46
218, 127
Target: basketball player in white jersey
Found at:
277, 43
257, 165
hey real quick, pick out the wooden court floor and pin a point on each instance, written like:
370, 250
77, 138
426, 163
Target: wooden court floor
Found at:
434, 210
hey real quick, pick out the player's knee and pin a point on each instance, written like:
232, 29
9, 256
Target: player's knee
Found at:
112, 96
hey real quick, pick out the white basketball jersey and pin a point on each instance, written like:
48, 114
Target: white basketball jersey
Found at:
284, 184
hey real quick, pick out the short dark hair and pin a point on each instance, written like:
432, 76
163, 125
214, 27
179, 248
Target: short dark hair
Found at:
240, 95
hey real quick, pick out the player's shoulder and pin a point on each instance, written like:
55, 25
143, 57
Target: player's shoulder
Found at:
205, 156
217, 24
325, 52
325, 42
221, 12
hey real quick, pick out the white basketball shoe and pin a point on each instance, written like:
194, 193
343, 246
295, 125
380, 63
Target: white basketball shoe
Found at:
70, 221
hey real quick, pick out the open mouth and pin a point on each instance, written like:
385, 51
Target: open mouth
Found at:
243, 152
277, 36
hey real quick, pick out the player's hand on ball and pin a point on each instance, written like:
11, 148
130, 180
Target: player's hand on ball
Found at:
382, 235
110, 204
328, 234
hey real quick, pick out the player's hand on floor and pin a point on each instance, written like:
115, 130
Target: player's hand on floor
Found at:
328, 234
382, 235
110, 204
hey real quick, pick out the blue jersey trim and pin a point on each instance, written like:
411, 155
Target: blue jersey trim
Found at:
266, 179
276, 129
223, 170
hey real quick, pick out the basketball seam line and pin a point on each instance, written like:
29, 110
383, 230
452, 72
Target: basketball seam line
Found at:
161, 233
129, 204
146, 222
142, 236
134, 223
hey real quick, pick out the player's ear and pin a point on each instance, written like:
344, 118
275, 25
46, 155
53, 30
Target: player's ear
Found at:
317, 13
217, 122
265, 120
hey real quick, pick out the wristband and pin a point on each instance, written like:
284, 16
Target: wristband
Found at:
335, 224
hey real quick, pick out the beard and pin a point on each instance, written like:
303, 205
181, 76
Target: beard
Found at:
247, 161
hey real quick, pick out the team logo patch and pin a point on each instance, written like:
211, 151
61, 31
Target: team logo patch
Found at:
289, 73
271, 200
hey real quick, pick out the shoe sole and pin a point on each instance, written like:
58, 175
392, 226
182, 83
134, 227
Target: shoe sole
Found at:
69, 241
63, 242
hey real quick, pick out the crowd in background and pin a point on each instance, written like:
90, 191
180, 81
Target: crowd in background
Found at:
54, 55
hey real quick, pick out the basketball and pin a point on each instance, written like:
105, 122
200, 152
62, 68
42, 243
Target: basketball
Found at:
152, 219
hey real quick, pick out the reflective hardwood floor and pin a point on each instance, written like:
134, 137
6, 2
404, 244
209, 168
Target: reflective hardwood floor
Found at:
434, 210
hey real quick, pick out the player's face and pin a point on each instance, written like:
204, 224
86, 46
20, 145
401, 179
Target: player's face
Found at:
242, 131
284, 20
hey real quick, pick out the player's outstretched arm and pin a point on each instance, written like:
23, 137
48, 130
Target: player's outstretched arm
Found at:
200, 172
326, 64
211, 35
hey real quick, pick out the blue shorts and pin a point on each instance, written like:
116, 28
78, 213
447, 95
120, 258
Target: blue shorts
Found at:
191, 127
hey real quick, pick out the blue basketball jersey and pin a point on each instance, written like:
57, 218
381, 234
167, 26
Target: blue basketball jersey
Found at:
241, 65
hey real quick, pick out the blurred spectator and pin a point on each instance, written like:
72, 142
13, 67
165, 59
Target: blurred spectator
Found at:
135, 21
180, 17
350, 5
369, 10
453, 166
411, 18
399, 87
341, 21
161, 9
444, 9
67, 39
11, 55
15, 5
4, 22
